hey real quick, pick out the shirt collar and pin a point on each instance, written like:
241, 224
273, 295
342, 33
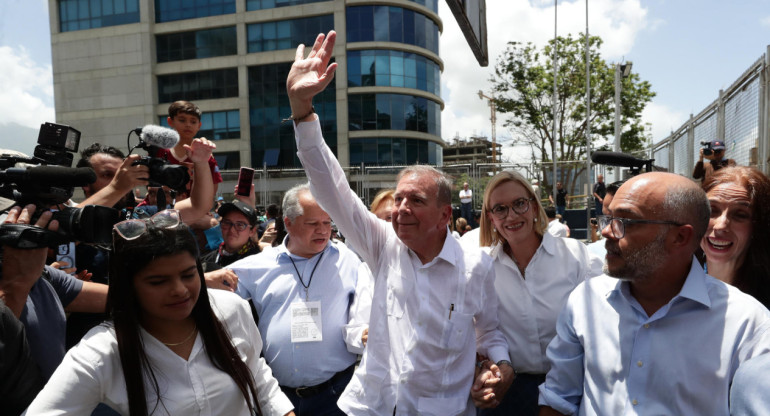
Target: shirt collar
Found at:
450, 251
548, 244
694, 287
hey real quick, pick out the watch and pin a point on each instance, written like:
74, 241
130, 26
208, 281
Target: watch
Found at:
501, 362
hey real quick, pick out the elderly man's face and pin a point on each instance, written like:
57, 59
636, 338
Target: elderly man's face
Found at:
310, 232
416, 213
641, 250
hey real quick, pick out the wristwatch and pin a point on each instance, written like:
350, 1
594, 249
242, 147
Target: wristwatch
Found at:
501, 362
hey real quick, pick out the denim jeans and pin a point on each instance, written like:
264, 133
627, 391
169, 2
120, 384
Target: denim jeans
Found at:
321, 404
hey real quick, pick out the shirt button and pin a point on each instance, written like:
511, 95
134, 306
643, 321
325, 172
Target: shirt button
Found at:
634, 402
646, 325
638, 363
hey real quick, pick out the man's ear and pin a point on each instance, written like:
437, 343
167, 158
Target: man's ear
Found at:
683, 238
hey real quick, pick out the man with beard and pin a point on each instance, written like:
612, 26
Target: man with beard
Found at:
655, 334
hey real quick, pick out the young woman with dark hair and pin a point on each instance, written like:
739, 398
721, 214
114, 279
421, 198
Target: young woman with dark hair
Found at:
172, 346
737, 240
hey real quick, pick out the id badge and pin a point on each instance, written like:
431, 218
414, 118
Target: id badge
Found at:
306, 323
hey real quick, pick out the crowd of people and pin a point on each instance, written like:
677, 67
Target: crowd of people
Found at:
194, 310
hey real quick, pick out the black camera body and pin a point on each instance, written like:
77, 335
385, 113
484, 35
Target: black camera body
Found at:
43, 185
163, 173
56, 144
707, 150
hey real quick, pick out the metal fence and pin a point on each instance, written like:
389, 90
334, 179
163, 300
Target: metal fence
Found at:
739, 116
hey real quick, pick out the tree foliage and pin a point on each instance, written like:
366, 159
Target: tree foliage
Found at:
523, 88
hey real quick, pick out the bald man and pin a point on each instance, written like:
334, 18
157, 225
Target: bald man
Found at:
654, 334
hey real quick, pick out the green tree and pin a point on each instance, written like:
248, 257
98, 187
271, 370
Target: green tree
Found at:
523, 87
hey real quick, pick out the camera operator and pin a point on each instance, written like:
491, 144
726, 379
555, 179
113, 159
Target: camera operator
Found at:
714, 151
39, 295
116, 178
20, 378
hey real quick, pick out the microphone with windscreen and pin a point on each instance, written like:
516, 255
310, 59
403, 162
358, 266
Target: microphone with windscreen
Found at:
152, 137
634, 164
158, 136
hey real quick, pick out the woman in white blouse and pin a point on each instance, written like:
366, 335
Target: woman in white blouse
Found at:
172, 347
534, 274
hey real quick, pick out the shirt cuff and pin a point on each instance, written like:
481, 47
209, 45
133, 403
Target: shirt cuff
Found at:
310, 134
498, 353
279, 405
554, 401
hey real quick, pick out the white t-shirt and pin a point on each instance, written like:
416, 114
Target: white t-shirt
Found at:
466, 196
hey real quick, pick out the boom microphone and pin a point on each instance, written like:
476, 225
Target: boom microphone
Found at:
158, 136
616, 159
49, 175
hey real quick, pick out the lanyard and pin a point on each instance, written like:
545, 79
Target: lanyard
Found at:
299, 276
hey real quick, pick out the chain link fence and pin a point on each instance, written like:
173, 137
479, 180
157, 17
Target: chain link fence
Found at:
739, 116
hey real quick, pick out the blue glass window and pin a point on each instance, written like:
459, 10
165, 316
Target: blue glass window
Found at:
430, 4
394, 69
197, 44
204, 85
228, 160
272, 141
394, 112
170, 10
286, 34
385, 151
391, 24
89, 14
217, 125
271, 4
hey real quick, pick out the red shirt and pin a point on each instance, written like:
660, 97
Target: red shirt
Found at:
216, 177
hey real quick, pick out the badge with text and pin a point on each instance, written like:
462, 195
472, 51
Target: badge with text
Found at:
306, 322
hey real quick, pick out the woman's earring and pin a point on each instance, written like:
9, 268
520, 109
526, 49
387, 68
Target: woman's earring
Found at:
494, 230
535, 220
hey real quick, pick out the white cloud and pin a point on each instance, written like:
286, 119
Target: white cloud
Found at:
26, 89
765, 21
663, 120
618, 22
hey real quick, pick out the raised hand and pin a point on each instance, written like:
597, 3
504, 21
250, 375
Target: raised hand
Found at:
309, 76
199, 151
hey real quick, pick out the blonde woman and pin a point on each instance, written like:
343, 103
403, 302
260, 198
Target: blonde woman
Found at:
535, 272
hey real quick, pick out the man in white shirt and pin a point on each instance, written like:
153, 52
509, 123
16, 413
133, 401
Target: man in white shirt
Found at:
555, 227
434, 304
655, 335
466, 204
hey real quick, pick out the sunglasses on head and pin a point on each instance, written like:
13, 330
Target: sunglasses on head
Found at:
134, 228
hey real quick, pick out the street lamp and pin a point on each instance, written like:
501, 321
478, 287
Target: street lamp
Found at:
624, 71
493, 119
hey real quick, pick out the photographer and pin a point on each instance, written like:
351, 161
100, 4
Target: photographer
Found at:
41, 303
20, 378
714, 151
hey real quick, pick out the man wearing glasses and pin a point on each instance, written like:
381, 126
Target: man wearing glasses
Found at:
238, 225
655, 334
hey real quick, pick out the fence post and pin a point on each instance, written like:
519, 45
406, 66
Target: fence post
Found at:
691, 144
720, 117
764, 114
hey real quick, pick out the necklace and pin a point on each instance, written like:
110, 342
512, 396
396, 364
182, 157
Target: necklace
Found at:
174, 344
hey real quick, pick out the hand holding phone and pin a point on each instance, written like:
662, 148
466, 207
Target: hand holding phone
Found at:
245, 178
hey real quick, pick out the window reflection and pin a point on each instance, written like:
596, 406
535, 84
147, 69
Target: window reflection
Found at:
391, 24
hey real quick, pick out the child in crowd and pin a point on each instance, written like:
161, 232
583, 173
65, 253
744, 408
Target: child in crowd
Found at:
185, 118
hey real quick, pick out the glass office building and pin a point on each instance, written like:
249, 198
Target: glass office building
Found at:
118, 64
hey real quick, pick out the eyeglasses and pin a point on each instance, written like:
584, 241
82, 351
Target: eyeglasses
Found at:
239, 225
618, 225
134, 228
519, 206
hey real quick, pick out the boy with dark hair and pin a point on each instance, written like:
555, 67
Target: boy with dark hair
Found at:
185, 118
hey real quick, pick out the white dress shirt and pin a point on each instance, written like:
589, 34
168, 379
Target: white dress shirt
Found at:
420, 356
610, 358
360, 310
92, 373
557, 229
530, 304
466, 196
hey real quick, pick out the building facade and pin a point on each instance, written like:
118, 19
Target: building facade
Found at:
118, 64
476, 149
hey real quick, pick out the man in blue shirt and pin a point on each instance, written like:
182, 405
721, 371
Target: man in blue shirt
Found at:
302, 291
655, 334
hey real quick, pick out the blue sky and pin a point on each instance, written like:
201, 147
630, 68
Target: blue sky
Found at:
686, 49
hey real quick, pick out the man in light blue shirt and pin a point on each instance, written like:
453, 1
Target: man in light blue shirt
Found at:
655, 335
302, 291
750, 392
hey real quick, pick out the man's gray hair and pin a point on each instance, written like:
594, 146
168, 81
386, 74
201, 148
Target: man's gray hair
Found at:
688, 205
443, 183
291, 206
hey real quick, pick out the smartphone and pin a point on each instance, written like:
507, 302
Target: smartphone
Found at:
245, 178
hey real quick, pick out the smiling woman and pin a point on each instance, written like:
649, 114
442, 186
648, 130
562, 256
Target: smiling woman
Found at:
736, 243
171, 344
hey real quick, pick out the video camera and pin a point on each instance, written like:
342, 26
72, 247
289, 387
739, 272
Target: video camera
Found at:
709, 148
25, 180
162, 173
